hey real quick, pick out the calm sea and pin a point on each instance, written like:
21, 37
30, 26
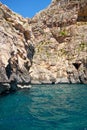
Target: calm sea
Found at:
45, 107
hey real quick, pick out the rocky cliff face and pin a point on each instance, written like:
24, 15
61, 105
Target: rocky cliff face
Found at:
16, 52
56, 36
60, 37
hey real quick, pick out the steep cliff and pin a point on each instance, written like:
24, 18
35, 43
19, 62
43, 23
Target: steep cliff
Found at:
15, 52
60, 37
56, 37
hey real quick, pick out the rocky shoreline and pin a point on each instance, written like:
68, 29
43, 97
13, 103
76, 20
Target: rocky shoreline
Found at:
50, 48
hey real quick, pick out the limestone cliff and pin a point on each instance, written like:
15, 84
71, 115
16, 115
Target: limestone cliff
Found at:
56, 36
60, 37
16, 52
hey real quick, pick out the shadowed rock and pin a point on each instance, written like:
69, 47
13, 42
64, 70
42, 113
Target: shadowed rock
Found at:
77, 65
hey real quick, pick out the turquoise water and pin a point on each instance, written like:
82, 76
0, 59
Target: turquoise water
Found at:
45, 107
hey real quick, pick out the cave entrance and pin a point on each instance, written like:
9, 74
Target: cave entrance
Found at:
76, 65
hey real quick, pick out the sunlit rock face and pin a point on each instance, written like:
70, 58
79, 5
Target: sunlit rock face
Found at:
60, 39
56, 37
16, 52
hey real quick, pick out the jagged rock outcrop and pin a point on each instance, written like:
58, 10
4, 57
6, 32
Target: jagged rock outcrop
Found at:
16, 52
59, 36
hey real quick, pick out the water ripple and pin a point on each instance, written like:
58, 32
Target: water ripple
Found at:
45, 107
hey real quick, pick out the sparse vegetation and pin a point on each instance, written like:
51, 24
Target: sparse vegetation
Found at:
82, 46
63, 52
63, 32
41, 45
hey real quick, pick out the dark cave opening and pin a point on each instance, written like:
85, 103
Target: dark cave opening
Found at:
77, 65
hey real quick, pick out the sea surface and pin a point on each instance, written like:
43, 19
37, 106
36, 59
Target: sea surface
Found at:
45, 107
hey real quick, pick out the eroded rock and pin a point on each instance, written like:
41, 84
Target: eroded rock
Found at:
15, 61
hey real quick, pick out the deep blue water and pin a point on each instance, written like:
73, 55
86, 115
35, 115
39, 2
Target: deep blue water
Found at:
45, 107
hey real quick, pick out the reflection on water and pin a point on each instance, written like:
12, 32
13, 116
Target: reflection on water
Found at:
45, 107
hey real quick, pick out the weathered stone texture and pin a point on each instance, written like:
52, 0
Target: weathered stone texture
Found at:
60, 39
